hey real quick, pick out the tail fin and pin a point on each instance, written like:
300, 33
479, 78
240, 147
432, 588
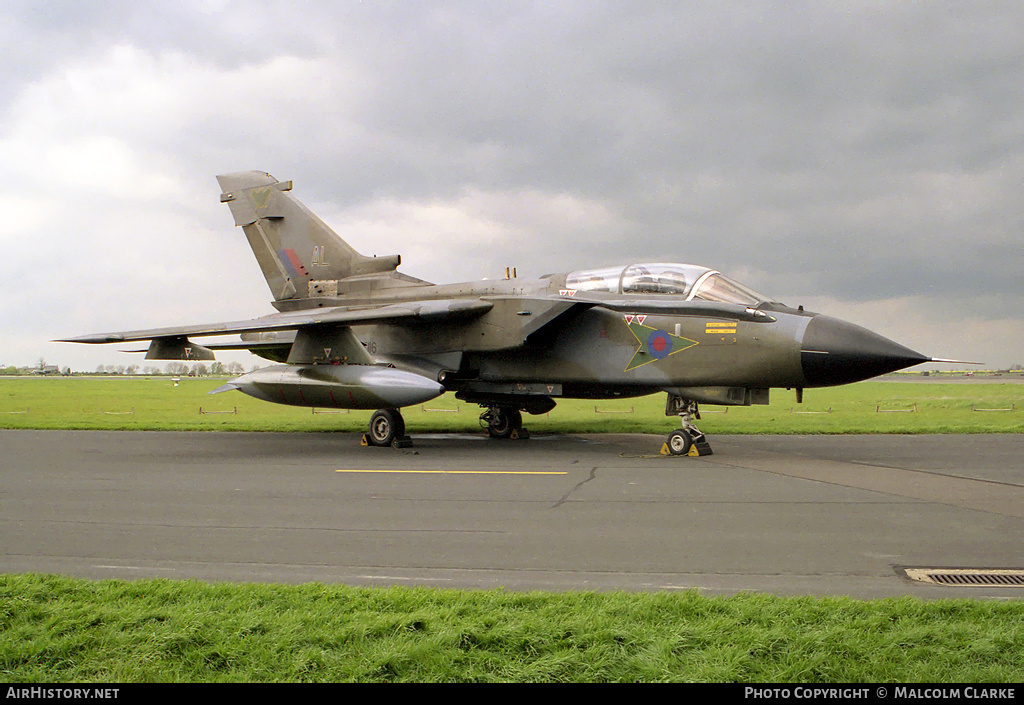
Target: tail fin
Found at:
301, 257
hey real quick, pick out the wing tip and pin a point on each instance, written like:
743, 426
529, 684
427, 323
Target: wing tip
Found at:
93, 339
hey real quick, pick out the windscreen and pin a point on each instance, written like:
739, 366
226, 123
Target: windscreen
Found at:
718, 287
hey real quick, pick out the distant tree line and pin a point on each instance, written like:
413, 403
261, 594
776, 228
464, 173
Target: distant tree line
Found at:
40, 369
198, 369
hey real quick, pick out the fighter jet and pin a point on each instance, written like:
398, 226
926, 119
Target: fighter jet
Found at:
352, 332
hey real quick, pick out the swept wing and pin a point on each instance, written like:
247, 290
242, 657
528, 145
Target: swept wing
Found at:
401, 313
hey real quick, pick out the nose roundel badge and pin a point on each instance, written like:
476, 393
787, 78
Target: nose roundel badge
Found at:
659, 344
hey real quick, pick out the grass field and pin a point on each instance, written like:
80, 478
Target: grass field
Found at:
64, 630
155, 403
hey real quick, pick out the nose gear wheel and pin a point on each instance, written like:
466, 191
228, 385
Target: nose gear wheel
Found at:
688, 440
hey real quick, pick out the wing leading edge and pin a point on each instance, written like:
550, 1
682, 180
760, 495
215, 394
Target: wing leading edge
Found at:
320, 335
419, 311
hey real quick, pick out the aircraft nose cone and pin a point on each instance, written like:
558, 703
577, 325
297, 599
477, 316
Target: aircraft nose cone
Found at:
836, 352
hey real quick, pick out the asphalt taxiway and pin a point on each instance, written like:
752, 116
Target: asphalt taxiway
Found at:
794, 515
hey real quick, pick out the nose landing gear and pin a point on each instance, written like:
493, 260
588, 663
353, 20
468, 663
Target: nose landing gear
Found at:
687, 440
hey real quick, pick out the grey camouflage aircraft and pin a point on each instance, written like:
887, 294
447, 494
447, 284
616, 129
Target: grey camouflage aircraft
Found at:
352, 332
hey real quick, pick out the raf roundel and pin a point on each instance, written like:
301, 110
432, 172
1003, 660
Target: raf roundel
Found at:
659, 344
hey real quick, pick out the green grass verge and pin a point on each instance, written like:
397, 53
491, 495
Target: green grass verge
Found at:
134, 403
55, 629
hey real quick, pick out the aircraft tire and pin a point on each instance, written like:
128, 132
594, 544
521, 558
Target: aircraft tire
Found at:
679, 442
504, 422
385, 426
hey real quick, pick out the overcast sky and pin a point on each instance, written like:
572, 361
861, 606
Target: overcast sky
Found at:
861, 159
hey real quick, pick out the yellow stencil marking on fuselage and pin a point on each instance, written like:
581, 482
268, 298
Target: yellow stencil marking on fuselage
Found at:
720, 327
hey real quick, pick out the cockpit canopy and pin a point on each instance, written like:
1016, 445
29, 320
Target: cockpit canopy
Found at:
688, 280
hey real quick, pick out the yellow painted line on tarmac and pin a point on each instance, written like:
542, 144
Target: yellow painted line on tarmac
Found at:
460, 472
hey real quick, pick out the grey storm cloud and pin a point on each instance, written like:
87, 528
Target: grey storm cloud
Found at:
857, 153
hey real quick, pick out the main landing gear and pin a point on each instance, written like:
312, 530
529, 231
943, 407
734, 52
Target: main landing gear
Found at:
687, 440
503, 422
387, 428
